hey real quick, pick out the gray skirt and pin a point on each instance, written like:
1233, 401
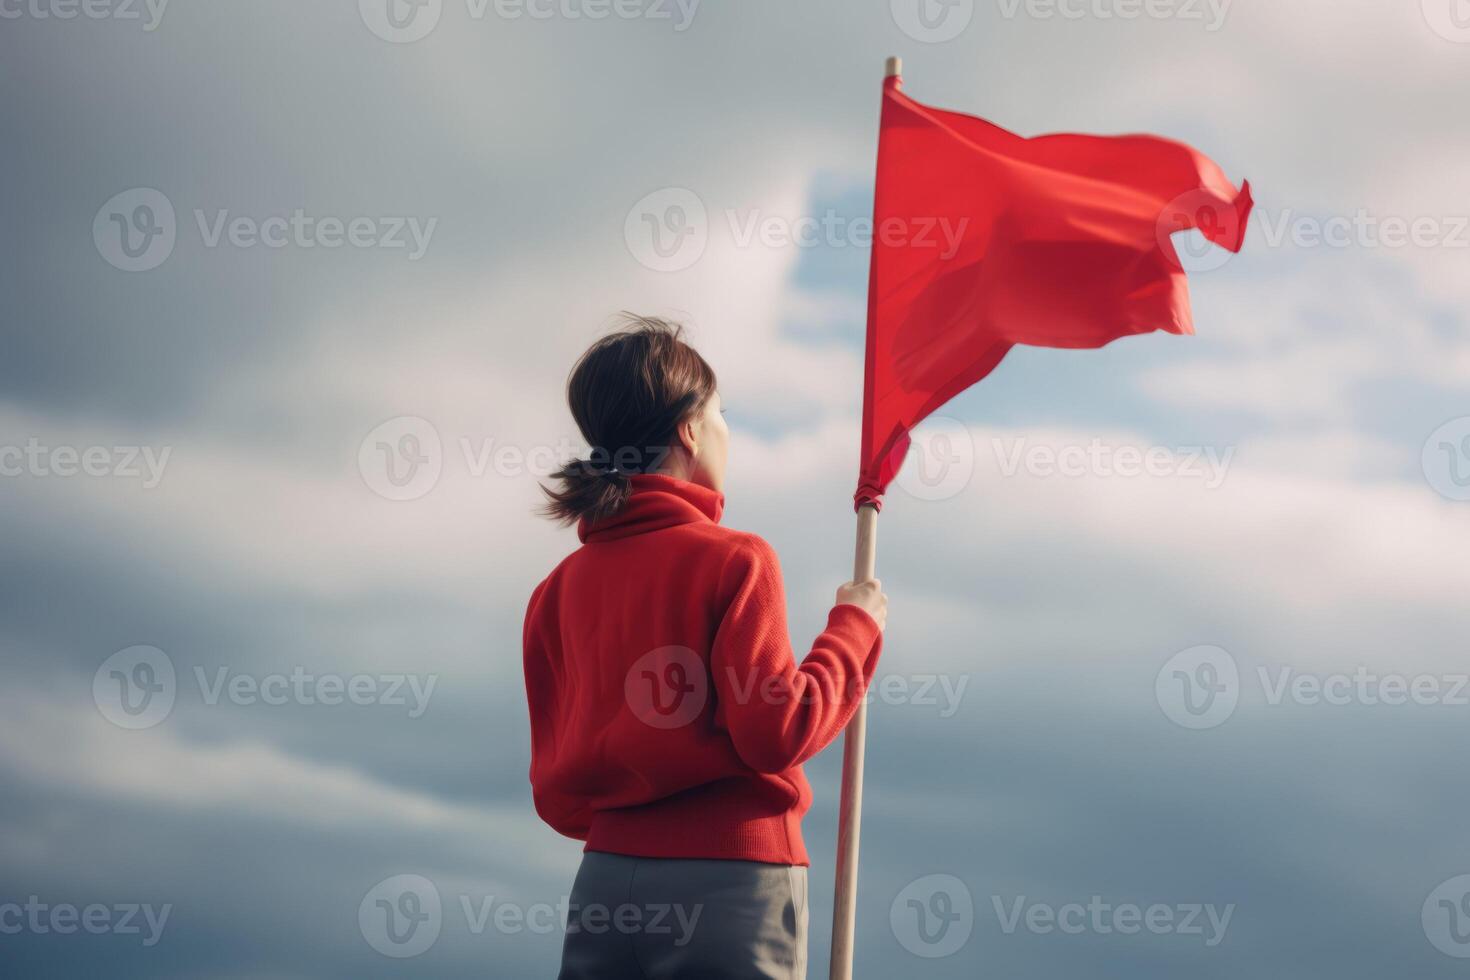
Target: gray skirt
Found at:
635, 918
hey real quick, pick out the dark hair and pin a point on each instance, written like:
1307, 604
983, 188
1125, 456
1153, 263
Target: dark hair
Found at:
628, 393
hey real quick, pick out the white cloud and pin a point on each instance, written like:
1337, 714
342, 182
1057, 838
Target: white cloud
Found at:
73, 749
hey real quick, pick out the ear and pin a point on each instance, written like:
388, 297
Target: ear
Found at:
685, 433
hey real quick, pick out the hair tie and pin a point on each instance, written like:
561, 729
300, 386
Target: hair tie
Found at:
608, 471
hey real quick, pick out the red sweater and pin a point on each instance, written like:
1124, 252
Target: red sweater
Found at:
668, 715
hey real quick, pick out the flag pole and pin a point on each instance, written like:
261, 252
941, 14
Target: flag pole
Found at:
854, 743
849, 822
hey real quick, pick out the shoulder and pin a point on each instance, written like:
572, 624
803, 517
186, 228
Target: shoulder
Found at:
533, 605
743, 555
728, 544
546, 588
752, 547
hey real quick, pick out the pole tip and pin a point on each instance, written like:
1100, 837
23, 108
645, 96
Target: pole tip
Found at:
893, 67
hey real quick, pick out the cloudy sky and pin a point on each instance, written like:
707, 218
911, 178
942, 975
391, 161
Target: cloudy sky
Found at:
1174, 678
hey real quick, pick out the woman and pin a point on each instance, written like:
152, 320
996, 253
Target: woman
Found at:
669, 719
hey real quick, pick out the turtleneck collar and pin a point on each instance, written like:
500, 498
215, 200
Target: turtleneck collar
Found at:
657, 501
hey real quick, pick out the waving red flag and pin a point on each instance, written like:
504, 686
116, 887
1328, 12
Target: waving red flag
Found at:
984, 239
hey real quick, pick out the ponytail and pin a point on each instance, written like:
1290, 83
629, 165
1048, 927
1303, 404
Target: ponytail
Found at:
587, 491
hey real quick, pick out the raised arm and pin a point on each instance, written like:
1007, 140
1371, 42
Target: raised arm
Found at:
780, 713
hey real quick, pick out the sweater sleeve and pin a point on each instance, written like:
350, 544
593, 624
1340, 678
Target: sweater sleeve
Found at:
780, 713
565, 814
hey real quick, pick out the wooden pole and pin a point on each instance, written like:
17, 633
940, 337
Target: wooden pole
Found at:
850, 820
854, 742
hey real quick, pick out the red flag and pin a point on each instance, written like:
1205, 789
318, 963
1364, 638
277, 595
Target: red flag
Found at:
984, 239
